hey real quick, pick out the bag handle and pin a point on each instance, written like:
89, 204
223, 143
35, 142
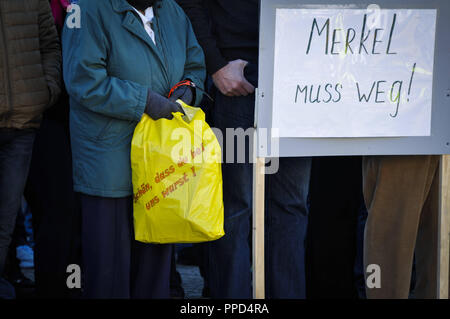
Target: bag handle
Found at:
191, 113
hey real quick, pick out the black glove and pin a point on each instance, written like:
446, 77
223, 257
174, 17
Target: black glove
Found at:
158, 106
184, 93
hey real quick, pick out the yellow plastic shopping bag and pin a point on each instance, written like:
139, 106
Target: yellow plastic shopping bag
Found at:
177, 180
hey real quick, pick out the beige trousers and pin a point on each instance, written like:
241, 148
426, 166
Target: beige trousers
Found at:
401, 194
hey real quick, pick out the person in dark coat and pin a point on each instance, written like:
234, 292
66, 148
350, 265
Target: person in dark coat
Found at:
120, 63
228, 31
30, 82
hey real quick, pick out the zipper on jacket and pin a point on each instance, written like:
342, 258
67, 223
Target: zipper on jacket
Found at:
6, 66
161, 44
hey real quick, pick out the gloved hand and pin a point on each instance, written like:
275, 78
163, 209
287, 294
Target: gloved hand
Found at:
158, 106
184, 93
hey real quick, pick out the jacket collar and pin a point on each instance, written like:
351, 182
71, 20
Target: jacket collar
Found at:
133, 24
123, 5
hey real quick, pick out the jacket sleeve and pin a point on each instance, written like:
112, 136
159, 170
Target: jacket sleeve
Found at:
50, 51
85, 52
195, 68
198, 13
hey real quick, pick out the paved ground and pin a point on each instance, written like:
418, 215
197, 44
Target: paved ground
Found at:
192, 281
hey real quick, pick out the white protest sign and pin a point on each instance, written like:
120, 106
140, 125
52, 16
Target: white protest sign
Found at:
353, 72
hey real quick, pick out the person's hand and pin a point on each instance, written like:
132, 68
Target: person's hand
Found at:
230, 79
184, 93
159, 107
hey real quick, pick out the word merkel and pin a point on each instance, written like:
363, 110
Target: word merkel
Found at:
364, 42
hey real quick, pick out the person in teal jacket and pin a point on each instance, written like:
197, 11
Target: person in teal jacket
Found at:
120, 62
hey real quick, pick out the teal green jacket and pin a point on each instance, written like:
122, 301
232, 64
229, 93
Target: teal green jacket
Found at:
109, 64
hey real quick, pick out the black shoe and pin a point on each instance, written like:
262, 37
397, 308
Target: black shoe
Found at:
177, 293
206, 293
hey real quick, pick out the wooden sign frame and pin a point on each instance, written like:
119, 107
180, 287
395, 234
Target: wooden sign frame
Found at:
436, 144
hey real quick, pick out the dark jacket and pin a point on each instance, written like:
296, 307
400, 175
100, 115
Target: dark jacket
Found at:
226, 29
109, 65
30, 62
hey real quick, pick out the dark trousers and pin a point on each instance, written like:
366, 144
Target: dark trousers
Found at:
335, 200
285, 228
19, 238
286, 215
55, 208
114, 264
15, 155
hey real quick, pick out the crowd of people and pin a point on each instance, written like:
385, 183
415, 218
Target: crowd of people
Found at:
70, 98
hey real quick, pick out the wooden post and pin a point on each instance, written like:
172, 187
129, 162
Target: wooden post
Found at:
258, 228
444, 229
